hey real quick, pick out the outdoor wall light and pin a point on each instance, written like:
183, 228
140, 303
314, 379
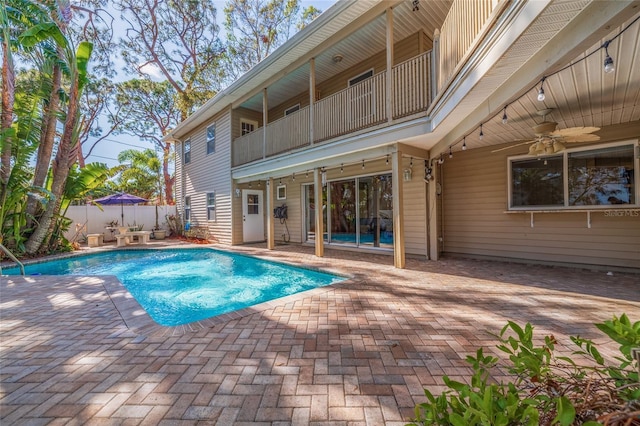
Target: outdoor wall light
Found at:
238, 193
406, 175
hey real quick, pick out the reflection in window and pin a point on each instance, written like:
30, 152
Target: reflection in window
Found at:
537, 182
601, 177
187, 209
211, 206
211, 139
187, 152
253, 205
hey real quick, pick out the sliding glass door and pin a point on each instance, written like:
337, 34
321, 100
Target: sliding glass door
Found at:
360, 212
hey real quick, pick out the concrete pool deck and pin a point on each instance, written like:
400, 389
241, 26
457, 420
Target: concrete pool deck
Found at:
78, 350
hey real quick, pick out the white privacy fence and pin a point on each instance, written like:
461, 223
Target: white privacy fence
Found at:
95, 221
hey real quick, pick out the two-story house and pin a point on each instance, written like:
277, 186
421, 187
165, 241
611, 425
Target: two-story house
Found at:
483, 128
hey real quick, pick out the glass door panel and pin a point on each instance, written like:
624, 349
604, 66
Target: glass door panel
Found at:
343, 212
310, 213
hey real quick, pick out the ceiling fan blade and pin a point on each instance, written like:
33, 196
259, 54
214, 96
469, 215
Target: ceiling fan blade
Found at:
575, 131
581, 138
513, 146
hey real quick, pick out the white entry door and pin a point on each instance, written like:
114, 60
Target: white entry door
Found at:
252, 216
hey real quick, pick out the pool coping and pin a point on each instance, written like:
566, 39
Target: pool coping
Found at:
136, 318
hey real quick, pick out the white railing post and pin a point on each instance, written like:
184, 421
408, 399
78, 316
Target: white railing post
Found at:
389, 91
265, 120
312, 98
435, 65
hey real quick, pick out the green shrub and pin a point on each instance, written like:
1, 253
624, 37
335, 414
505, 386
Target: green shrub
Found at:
545, 389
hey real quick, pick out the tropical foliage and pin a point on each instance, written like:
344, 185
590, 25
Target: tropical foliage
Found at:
40, 123
546, 388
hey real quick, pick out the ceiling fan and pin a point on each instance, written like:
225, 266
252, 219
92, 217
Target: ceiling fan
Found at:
549, 140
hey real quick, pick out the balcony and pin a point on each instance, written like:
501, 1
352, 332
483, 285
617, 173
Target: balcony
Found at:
355, 108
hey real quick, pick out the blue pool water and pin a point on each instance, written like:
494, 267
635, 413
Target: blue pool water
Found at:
181, 286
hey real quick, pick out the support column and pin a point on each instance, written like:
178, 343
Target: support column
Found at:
312, 97
271, 244
398, 216
265, 120
390, 94
317, 194
432, 216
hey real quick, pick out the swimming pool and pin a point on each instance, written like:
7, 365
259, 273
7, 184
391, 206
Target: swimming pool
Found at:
179, 286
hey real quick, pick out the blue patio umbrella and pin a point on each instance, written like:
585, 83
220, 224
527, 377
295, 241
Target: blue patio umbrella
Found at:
121, 198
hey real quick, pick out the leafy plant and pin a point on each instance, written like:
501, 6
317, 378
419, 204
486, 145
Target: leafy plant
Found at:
546, 389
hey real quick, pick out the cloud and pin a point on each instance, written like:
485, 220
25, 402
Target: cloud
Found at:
153, 72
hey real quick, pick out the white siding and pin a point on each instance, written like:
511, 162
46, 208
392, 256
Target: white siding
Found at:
210, 173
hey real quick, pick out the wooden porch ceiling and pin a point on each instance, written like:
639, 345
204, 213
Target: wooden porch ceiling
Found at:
580, 95
364, 42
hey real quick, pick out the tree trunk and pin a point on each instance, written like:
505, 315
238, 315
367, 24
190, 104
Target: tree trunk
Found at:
61, 166
47, 140
168, 180
8, 97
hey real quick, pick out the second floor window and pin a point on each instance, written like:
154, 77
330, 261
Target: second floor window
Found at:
211, 206
292, 110
247, 126
211, 139
187, 152
187, 209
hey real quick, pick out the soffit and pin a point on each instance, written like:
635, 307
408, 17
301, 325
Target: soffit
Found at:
357, 47
574, 93
581, 95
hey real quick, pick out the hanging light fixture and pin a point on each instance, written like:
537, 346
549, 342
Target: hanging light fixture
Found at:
541, 91
306, 174
293, 177
387, 159
450, 152
504, 115
464, 143
481, 133
362, 164
441, 159
608, 62
341, 168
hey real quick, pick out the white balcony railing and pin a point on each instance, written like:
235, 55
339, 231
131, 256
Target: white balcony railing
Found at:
354, 108
463, 24
248, 147
411, 86
289, 132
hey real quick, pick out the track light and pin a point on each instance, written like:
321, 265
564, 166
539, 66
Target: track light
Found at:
504, 116
464, 143
608, 62
541, 91
481, 134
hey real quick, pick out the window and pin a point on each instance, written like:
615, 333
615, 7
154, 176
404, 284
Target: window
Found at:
292, 110
604, 176
187, 151
187, 209
601, 177
211, 206
211, 139
281, 193
357, 79
247, 126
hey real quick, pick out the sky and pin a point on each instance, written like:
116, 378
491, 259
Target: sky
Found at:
107, 150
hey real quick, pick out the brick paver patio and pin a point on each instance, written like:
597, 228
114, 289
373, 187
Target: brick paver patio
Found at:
78, 350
